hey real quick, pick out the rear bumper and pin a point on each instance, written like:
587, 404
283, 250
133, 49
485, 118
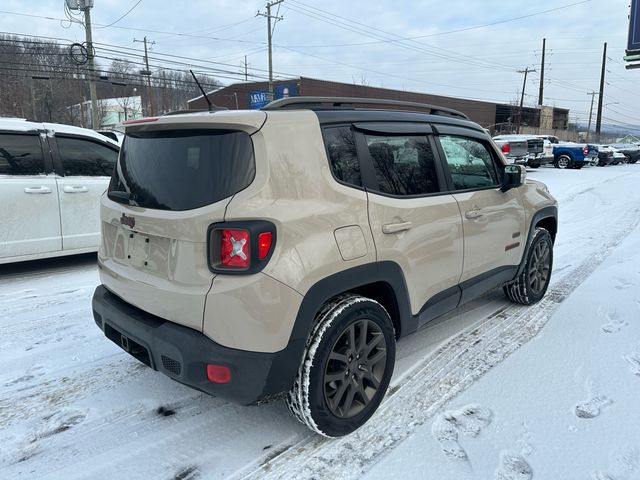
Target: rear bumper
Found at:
183, 353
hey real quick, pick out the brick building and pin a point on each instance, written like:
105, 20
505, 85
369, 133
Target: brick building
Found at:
495, 116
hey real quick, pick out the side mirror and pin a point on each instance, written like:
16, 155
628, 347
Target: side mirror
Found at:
513, 176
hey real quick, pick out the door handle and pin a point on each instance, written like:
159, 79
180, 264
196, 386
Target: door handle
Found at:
41, 189
74, 189
471, 214
396, 227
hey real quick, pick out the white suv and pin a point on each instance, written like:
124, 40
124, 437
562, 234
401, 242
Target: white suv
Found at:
51, 180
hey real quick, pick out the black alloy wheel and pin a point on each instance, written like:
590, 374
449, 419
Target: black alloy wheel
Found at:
355, 368
347, 365
532, 283
539, 267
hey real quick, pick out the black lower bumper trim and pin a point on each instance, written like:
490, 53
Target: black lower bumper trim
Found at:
183, 353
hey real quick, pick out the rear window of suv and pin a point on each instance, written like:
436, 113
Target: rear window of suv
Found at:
182, 169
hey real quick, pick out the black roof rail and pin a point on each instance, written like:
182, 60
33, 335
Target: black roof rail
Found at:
348, 102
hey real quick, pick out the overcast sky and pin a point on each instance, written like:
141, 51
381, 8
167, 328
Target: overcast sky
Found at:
457, 48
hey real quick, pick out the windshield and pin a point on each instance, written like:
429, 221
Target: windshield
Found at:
182, 169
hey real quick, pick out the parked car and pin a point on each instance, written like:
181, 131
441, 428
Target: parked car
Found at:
524, 150
630, 150
574, 155
250, 254
51, 180
605, 155
618, 156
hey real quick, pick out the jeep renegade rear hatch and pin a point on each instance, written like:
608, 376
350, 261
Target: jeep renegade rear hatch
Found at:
182, 169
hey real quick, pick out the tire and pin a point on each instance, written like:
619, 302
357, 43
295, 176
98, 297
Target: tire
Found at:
531, 285
563, 161
627, 159
349, 360
535, 165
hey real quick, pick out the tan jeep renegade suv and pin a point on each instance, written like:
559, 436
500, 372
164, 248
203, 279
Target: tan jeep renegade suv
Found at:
253, 253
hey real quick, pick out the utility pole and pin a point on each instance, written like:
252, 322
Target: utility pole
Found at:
95, 121
524, 85
601, 95
246, 73
544, 46
147, 73
593, 94
269, 35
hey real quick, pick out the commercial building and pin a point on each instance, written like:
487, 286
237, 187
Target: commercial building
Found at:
499, 118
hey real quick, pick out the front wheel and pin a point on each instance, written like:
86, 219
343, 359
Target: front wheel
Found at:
531, 285
347, 366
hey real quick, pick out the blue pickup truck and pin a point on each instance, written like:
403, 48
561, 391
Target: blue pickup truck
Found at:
572, 155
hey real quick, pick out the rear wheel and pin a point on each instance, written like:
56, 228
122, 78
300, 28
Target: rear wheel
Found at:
531, 285
347, 366
563, 161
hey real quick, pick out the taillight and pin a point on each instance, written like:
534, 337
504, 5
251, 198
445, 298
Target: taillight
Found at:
240, 247
234, 248
264, 244
506, 148
585, 150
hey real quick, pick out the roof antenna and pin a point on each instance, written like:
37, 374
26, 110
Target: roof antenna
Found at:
211, 106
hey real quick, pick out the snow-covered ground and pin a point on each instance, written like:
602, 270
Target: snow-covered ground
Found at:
494, 391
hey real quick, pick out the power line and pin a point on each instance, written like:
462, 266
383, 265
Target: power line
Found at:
498, 22
372, 32
127, 13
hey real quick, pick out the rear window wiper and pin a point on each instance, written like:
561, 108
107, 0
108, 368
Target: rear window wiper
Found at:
121, 197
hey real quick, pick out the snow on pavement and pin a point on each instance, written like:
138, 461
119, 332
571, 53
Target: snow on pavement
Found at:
563, 406
73, 405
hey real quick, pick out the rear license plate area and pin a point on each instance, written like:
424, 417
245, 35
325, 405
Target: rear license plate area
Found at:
138, 249
129, 345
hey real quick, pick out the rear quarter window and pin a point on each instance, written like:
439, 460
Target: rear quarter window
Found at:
343, 157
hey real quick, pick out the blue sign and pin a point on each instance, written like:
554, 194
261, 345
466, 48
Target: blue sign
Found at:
633, 47
286, 91
260, 98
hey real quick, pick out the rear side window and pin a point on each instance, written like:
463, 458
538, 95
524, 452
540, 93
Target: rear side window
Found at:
182, 169
20, 155
470, 163
86, 158
404, 165
341, 149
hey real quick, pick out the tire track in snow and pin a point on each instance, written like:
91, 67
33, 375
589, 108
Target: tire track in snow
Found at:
61, 390
436, 380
